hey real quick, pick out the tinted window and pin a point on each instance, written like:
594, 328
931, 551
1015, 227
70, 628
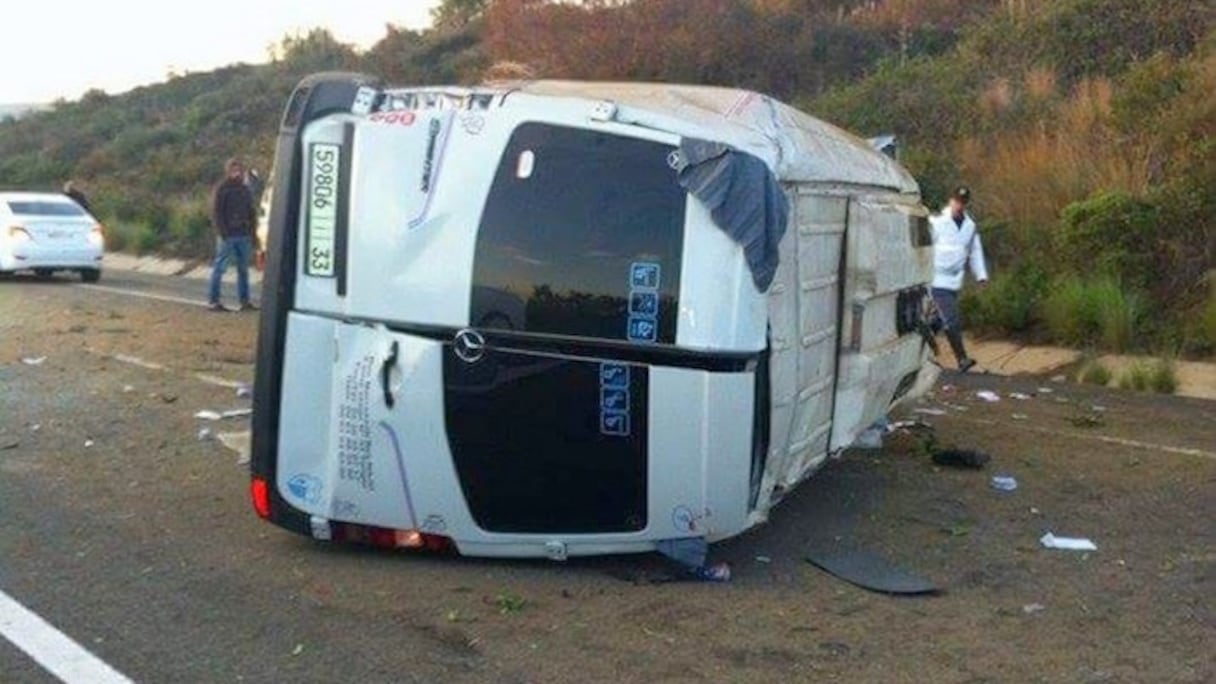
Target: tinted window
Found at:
39, 208
582, 235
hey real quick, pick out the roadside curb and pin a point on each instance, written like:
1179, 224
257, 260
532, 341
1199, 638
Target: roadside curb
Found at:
194, 269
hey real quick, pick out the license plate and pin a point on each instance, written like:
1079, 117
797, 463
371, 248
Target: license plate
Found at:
324, 169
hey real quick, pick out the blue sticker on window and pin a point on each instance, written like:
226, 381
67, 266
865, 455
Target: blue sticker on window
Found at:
614, 375
612, 399
615, 405
644, 304
614, 423
644, 275
643, 329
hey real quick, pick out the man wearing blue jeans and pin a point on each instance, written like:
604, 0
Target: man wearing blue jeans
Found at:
956, 248
235, 216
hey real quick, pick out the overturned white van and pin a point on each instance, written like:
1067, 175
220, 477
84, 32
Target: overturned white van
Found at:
555, 318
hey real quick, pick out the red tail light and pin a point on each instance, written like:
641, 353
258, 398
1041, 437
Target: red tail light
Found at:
389, 538
260, 492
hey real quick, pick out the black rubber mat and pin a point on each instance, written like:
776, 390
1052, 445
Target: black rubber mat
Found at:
868, 570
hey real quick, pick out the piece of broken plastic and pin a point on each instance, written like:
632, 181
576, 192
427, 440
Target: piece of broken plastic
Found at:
929, 411
244, 392
208, 415
1019, 395
33, 360
1004, 483
1051, 541
221, 415
988, 396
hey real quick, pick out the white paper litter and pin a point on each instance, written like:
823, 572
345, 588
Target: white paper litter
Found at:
33, 360
988, 396
1051, 541
1021, 416
1032, 608
1019, 396
217, 415
1045, 390
929, 411
88, 443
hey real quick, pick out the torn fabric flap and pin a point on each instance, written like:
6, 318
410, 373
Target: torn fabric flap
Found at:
743, 197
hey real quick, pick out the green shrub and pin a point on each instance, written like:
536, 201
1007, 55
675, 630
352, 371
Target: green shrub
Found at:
1010, 303
1083, 313
1137, 376
190, 233
136, 238
1110, 233
1163, 376
1094, 373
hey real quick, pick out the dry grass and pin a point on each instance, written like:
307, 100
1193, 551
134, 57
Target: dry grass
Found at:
1029, 176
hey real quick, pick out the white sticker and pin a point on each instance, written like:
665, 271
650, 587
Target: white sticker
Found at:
527, 164
323, 180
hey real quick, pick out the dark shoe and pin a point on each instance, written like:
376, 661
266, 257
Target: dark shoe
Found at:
966, 365
248, 306
216, 307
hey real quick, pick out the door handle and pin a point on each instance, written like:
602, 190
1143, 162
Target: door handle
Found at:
386, 374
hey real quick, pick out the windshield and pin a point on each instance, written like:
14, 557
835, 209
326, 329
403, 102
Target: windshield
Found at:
582, 235
45, 208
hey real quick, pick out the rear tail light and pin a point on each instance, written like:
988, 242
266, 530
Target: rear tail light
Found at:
259, 490
99, 230
386, 538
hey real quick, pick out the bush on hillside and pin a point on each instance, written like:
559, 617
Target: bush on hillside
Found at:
1092, 313
1010, 303
1112, 233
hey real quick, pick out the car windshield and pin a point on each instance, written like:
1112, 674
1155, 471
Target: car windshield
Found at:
44, 208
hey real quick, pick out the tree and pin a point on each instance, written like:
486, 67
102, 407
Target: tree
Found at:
455, 14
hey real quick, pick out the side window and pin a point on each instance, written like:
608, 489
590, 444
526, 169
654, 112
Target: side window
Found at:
582, 235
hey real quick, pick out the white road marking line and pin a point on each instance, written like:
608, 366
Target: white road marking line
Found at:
145, 295
1181, 451
53, 650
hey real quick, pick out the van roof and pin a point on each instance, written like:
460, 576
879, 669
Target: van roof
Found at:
24, 196
798, 147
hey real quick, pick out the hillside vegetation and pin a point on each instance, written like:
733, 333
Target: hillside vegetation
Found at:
1084, 126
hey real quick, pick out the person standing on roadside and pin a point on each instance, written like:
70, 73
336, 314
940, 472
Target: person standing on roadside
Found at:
956, 246
234, 214
74, 193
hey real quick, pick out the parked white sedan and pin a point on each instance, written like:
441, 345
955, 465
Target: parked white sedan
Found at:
47, 232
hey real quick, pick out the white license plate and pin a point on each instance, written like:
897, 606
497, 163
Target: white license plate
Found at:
324, 169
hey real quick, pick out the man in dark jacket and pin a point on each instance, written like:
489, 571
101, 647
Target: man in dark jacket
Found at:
234, 215
73, 192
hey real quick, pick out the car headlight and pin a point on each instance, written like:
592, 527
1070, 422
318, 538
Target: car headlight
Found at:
19, 234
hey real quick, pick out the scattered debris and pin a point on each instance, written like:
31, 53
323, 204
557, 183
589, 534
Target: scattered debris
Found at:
690, 553
1051, 541
1020, 396
1046, 390
1035, 511
1087, 420
1032, 608
867, 570
930, 411
244, 392
33, 360
1004, 483
5, 446
297, 650
988, 396
127, 389
764, 559
205, 434
240, 442
1098, 409
1059, 378
35, 427
961, 458
168, 398
871, 439
1021, 416
222, 415
88, 443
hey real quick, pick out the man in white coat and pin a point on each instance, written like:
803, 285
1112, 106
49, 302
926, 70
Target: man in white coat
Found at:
956, 246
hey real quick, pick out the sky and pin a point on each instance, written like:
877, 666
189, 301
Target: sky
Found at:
61, 48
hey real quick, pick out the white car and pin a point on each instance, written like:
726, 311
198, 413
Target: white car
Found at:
48, 232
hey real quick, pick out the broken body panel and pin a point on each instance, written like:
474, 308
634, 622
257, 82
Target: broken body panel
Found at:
493, 316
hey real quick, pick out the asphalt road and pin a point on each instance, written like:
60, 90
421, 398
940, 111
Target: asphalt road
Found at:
128, 534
